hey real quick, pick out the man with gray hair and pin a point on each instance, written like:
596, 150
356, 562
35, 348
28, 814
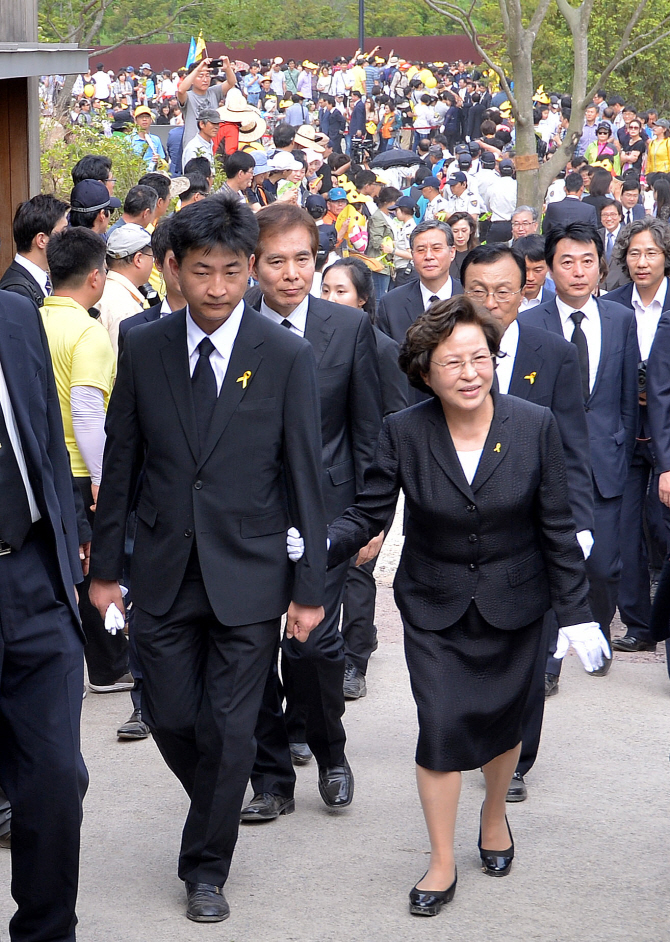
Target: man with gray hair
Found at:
525, 222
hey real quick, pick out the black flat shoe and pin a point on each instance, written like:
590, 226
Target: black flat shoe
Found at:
430, 902
206, 903
496, 863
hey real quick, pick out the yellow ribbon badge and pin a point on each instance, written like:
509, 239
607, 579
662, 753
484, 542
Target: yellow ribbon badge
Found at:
531, 377
244, 379
497, 448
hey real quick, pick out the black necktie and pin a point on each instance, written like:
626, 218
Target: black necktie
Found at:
286, 323
15, 519
628, 218
579, 340
203, 383
432, 299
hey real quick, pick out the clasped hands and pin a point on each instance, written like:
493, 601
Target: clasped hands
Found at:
295, 547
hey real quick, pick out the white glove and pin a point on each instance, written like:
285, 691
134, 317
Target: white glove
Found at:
588, 641
585, 540
114, 619
295, 545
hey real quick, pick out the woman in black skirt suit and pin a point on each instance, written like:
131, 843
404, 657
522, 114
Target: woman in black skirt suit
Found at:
490, 546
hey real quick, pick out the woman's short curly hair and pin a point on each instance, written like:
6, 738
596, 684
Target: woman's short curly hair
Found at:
660, 233
435, 325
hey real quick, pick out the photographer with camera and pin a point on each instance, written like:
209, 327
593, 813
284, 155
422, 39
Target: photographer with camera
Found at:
643, 252
196, 92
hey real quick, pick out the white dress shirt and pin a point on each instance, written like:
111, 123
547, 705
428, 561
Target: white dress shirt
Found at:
590, 326
223, 338
297, 317
505, 364
469, 462
648, 316
528, 303
165, 309
13, 432
443, 294
38, 273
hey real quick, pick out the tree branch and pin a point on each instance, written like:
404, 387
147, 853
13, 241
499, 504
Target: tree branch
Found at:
538, 17
613, 65
152, 32
55, 29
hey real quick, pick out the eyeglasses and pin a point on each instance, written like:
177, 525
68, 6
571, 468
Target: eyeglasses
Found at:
521, 223
498, 294
480, 361
604, 132
634, 255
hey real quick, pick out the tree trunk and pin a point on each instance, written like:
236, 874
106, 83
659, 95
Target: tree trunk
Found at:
528, 192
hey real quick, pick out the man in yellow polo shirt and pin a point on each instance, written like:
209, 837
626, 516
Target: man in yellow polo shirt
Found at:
84, 366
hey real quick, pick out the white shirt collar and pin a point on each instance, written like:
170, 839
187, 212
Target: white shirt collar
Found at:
589, 310
38, 273
297, 317
528, 303
658, 299
443, 294
510, 339
165, 308
223, 337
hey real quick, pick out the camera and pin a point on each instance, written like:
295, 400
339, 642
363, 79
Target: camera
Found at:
216, 63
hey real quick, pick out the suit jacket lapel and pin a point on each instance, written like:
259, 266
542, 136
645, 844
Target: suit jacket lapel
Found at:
245, 358
414, 304
16, 370
496, 444
175, 362
443, 450
317, 330
523, 374
552, 318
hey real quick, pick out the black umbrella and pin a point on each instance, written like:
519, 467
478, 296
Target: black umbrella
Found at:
395, 157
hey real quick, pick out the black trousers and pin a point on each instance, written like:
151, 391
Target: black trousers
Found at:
106, 655
41, 768
358, 613
5, 814
313, 675
202, 689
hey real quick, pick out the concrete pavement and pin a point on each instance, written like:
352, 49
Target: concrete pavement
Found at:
592, 839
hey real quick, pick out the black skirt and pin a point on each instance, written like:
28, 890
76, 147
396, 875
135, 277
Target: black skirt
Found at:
470, 683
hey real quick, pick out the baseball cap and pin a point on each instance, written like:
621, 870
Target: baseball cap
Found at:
663, 123
145, 65
435, 149
315, 204
461, 149
143, 110
457, 177
506, 168
337, 193
92, 196
474, 147
404, 202
126, 240
464, 161
431, 181
208, 114
488, 159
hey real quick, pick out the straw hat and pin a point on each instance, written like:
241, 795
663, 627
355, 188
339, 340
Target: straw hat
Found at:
236, 107
305, 137
252, 128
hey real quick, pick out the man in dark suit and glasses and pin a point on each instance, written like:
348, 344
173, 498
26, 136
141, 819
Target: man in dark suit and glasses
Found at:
604, 334
344, 347
570, 209
218, 408
643, 253
41, 642
630, 199
542, 368
35, 221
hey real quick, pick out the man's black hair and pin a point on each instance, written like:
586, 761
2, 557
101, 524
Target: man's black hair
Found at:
238, 161
198, 165
357, 93
73, 254
39, 214
138, 199
364, 178
328, 99
578, 232
615, 100
217, 222
296, 98
573, 182
159, 182
283, 135
631, 182
160, 240
199, 184
92, 167
531, 247
489, 254
85, 218
601, 93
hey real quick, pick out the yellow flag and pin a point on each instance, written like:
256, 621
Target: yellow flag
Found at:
200, 47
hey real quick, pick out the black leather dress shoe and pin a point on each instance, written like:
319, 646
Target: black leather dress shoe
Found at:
206, 903
266, 807
550, 685
430, 902
354, 683
517, 790
336, 785
135, 728
496, 863
301, 754
630, 643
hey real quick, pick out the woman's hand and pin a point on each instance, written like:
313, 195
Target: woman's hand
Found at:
372, 549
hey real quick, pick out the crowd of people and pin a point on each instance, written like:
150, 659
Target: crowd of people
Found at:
223, 382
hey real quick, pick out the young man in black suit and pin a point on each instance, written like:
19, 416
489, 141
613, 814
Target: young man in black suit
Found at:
343, 344
41, 642
218, 409
630, 200
35, 221
570, 208
542, 368
606, 341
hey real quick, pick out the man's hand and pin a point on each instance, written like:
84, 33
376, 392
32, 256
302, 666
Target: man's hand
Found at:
103, 593
302, 619
664, 488
372, 549
85, 557
95, 488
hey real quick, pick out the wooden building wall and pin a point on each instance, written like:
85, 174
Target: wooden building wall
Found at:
14, 161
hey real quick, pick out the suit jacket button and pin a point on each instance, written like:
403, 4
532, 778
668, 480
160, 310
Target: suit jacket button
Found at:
188, 532
470, 508
473, 538
472, 566
197, 485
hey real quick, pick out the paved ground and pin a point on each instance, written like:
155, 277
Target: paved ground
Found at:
592, 840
